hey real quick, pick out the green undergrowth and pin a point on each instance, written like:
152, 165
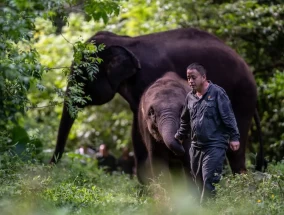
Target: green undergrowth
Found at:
68, 188
76, 186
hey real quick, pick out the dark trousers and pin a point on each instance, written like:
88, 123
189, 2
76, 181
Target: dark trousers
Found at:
206, 169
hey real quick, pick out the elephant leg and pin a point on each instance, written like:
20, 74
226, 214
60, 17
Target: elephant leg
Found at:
178, 176
244, 99
237, 159
160, 163
141, 154
187, 165
186, 159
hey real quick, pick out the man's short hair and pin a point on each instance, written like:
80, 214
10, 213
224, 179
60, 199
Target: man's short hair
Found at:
199, 68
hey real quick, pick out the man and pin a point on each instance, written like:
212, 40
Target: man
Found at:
105, 159
208, 116
126, 162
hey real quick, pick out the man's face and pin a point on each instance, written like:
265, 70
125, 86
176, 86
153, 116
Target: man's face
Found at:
103, 150
195, 79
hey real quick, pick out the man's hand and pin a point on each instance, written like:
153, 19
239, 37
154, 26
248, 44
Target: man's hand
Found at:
234, 145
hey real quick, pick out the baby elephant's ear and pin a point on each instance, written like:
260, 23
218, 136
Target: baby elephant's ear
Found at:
121, 64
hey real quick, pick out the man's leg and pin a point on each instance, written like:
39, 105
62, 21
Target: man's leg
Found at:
196, 169
212, 165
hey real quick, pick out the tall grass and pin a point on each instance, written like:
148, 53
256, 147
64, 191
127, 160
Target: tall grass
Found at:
76, 187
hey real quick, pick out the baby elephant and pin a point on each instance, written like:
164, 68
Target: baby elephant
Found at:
159, 117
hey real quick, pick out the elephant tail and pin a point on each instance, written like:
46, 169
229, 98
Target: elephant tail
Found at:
261, 164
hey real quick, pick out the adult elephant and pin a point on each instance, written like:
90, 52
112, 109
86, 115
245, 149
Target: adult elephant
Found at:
131, 64
159, 119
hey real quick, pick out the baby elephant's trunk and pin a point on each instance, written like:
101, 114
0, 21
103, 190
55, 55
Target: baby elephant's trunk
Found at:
167, 131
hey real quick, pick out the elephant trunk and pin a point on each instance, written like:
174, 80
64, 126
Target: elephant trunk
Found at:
66, 123
167, 130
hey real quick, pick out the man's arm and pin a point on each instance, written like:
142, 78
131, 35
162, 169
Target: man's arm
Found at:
184, 128
228, 117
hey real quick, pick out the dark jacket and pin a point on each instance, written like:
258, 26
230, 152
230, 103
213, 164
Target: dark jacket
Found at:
108, 163
210, 119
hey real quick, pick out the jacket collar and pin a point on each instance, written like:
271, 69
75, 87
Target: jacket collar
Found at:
193, 92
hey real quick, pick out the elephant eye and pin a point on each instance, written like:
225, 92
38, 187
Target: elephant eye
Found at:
151, 114
151, 111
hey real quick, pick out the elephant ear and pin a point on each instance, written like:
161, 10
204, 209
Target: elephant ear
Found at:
121, 64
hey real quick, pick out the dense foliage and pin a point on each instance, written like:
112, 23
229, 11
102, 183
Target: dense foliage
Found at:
21, 69
73, 187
